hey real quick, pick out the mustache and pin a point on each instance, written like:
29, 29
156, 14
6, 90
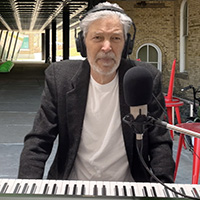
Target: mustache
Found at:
105, 55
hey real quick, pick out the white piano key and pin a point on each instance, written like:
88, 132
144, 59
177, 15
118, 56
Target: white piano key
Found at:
92, 187
120, 188
4, 185
99, 185
86, 187
24, 186
194, 189
0, 184
168, 192
187, 189
138, 189
158, 189
106, 189
79, 184
112, 190
71, 187
18, 186
62, 187
128, 189
52, 187
142, 189
11, 183
33, 186
59, 184
40, 186
148, 190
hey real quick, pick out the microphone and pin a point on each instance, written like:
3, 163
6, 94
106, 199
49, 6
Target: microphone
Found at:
138, 91
138, 85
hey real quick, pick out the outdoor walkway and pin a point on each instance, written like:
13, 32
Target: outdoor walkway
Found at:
20, 92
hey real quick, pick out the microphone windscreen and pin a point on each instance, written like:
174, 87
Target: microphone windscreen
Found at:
138, 85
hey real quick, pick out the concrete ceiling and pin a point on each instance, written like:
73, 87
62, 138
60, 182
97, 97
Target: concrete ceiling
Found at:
36, 15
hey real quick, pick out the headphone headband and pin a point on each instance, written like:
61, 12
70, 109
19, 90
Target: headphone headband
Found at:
104, 8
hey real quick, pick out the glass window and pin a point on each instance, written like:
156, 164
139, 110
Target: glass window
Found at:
150, 53
142, 54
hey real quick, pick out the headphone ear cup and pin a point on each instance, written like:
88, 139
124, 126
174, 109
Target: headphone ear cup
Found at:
80, 45
128, 46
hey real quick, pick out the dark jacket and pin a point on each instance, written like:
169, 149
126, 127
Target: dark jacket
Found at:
62, 113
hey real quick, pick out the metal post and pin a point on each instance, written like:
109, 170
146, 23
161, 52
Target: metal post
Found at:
66, 33
47, 51
53, 41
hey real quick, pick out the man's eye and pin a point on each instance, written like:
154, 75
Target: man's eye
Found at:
116, 39
97, 38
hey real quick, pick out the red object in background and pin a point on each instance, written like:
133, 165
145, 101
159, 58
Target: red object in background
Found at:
196, 154
172, 102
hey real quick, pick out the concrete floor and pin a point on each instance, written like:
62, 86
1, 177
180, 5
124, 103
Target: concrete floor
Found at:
20, 92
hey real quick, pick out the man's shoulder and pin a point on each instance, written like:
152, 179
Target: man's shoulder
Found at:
134, 63
65, 67
66, 64
151, 68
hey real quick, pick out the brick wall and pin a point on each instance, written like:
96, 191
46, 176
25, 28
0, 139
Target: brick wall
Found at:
159, 23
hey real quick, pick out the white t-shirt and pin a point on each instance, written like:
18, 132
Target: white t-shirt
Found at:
101, 154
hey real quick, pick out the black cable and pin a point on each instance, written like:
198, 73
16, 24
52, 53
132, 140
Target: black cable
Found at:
157, 179
163, 109
191, 148
129, 119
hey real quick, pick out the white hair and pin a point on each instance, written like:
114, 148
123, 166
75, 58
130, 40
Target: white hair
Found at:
92, 16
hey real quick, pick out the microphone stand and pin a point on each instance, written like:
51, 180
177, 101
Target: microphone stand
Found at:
158, 122
139, 126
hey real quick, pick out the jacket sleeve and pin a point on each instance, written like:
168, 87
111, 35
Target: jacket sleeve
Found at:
39, 142
160, 142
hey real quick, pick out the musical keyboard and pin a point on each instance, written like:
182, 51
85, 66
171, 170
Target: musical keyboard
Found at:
59, 189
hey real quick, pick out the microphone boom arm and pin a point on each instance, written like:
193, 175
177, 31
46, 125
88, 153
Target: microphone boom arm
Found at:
168, 126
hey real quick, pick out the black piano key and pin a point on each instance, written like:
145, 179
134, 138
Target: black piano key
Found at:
133, 191
33, 188
125, 191
45, 191
83, 190
154, 194
116, 190
104, 190
145, 191
194, 191
182, 191
174, 192
25, 188
95, 190
166, 192
74, 189
54, 189
4, 188
66, 189
17, 187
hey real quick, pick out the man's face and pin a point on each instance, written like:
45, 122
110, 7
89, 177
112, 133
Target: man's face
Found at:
104, 43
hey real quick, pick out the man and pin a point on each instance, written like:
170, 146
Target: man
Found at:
83, 104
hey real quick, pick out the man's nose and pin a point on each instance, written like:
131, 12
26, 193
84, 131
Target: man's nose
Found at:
106, 46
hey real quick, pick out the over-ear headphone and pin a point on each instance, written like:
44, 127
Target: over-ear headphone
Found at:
129, 43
